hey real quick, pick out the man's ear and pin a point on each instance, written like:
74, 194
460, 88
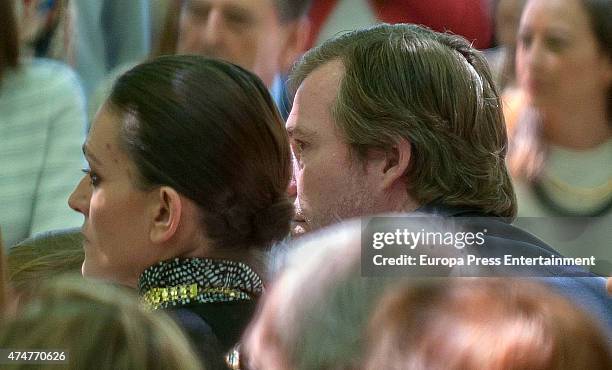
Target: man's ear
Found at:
295, 36
167, 209
395, 163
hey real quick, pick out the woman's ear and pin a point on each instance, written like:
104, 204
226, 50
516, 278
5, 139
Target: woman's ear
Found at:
167, 209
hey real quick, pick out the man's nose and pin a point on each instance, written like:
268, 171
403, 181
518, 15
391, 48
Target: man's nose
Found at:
292, 188
213, 32
536, 55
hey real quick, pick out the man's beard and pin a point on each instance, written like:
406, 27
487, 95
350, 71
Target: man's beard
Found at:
356, 203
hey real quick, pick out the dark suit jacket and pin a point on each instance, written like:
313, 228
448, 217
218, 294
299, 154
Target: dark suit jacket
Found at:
214, 328
585, 289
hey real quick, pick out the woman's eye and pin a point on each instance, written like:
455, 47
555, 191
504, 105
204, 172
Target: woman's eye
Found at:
94, 179
525, 40
555, 44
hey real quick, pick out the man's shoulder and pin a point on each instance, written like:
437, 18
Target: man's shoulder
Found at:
589, 293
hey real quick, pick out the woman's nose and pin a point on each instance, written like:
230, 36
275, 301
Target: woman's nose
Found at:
79, 199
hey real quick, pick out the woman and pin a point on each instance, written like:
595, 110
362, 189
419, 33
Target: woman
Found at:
561, 143
189, 163
42, 126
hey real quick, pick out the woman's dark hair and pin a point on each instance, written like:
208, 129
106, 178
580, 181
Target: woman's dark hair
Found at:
600, 17
9, 42
210, 130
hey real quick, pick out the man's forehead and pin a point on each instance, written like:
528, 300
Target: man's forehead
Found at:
314, 101
320, 88
252, 5
327, 76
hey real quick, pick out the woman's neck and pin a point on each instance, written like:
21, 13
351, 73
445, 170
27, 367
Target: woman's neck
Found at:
577, 126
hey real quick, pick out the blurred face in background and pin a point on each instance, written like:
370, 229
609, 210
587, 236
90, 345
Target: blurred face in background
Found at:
559, 60
244, 32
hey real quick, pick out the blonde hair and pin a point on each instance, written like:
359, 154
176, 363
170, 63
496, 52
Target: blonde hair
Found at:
101, 326
43, 257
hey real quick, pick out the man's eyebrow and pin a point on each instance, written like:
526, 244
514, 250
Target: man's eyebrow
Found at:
296, 131
89, 155
239, 12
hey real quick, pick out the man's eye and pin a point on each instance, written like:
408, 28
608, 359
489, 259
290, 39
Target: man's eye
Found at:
199, 11
94, 179
299, 145
238, 17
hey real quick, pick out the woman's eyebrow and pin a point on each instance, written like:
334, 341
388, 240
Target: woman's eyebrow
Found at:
89, 155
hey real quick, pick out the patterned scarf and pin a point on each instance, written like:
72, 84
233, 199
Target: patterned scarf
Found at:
181, 281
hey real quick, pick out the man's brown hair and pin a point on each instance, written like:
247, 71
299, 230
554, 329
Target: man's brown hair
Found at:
434, 90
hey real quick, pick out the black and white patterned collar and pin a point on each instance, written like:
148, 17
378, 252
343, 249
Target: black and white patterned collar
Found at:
182, 281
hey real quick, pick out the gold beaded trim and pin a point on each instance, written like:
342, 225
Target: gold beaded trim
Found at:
155, 297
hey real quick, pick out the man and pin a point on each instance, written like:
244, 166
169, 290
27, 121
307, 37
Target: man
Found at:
399, 118
379, 125
263, 36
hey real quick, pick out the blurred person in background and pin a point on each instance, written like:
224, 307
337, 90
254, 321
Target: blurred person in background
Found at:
46, 28
42, 126
323, 312
94, 37
262, 36
481, 324
189, 164
96, 326
42, 257
561, 135
316, 310
108, 34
